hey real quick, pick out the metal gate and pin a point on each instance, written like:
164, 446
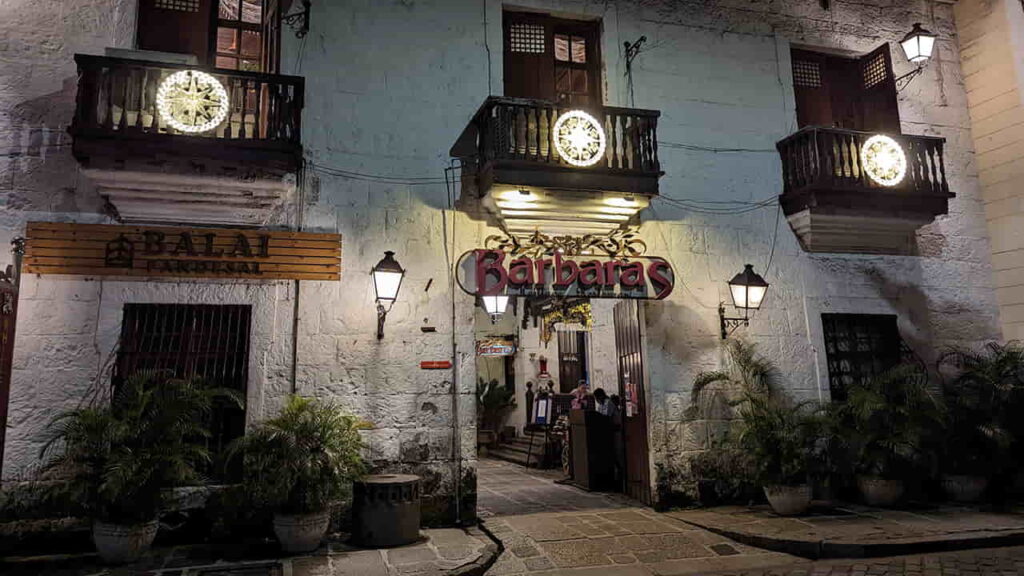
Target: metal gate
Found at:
629, 352
9, 282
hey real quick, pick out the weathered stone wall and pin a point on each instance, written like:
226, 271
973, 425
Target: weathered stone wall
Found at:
390, 85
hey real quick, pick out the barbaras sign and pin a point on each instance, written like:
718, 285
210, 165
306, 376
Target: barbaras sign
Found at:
489, 272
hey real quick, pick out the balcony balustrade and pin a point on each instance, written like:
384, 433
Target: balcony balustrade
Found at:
834, 205
116, 116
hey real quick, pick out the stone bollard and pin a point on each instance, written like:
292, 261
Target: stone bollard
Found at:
386, 510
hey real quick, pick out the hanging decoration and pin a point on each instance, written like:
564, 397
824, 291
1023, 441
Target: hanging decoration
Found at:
883, 160
578, 313
192, 101
618, 244
579, 138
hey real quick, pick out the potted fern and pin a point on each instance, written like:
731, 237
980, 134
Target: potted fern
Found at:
780, 441
298, 464
979, 414
887, 422
118, 459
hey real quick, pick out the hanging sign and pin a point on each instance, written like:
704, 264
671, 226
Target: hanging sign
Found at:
486, 272
109, 250
495, 347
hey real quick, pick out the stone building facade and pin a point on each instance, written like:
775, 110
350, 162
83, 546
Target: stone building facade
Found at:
389, 86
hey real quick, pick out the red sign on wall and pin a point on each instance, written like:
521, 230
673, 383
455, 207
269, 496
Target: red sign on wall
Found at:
488, 272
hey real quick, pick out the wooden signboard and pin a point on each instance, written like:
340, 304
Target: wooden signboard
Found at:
108, 250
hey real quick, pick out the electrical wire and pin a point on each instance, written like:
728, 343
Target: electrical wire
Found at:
352, 175
697, 148
668, 256
775, 236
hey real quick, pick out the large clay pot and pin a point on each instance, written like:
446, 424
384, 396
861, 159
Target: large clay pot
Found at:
788, 500
120, 543
964, 488
878, 491
301, 532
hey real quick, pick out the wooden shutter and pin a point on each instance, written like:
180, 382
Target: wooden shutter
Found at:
877, 104
813, 102
532, 69
271, 36
180, 26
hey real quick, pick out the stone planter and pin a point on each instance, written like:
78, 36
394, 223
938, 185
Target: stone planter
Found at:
120, 543
878, 491
964, 488
301, 532
788, 500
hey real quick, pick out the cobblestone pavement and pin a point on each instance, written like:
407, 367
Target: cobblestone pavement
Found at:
506, 489
983, 562
442, 552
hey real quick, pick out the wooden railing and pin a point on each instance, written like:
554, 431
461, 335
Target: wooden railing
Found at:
517, 129
117, 96
829, 158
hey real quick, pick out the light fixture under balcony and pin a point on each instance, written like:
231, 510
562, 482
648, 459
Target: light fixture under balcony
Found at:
563, 211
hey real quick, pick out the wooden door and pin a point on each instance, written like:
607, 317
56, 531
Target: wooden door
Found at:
851, 93
572, 360
180, 26
8, 319
552, 59
631, 372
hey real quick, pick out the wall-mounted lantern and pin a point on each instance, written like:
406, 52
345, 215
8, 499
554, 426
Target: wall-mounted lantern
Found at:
747, 289
495, 306
387, 279
917, 46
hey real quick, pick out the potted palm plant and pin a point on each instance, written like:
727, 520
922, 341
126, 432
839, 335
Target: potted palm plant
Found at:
299, 463
118, 459
493, 401
780, 441
887, 422
979, 413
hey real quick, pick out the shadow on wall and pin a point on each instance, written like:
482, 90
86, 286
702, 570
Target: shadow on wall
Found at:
39, 148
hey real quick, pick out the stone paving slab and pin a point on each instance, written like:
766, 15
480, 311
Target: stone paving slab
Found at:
856, 531
454, 552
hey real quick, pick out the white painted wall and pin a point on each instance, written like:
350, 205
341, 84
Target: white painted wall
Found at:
390, 85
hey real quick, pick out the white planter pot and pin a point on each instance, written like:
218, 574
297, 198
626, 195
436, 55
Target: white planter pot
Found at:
301, 532
120, 543
963, 488
878, 491
788, 500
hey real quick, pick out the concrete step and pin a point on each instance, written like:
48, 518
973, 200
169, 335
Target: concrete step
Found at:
511, 456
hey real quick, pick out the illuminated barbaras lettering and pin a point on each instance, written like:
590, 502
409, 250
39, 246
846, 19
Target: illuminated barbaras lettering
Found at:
525, 271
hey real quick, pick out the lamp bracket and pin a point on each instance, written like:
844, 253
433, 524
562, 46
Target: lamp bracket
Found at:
382, 314
299, 20
729, 325
907, 78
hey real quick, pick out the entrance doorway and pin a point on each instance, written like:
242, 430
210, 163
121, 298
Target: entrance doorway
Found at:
631, 376
539, 351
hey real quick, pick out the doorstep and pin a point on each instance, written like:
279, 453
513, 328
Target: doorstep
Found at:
450, 551
855, 531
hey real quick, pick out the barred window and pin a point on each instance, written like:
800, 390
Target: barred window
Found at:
858, 347
875, 70
807, 74
525, 37
180, 5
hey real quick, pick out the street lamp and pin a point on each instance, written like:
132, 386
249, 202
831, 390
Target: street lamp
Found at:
747, 290
917, 46
495, 306
387, 279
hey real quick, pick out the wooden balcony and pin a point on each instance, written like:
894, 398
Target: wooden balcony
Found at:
507, 147
236, 173
116, 116
834, 206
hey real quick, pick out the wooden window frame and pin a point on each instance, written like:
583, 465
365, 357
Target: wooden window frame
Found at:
545, 64
843, 98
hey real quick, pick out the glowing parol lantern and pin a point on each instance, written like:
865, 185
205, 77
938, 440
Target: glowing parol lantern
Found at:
883, 160
192, 101
579, 138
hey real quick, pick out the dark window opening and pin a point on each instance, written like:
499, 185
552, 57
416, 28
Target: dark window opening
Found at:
858, 347
572, 360
208, 341
852, 93
552, 59
229, 34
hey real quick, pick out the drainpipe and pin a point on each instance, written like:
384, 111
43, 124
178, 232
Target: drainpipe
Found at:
456, 428
300, 200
